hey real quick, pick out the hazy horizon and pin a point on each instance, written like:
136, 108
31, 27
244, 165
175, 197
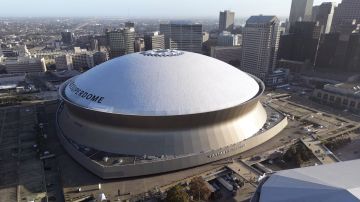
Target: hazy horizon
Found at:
144, 8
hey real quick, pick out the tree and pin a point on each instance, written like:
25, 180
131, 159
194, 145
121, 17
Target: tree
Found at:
177, 194
298, 154
198, 189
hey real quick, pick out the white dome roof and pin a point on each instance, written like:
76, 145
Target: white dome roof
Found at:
161, 83
330, 182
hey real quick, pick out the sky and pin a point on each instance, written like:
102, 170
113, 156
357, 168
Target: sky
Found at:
144, 8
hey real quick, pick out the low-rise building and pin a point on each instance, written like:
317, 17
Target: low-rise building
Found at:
277, 78
341, 95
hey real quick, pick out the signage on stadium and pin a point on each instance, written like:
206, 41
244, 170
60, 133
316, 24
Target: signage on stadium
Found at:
84, 94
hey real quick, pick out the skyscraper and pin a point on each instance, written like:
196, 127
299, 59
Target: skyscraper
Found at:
340, 52
228, 54
130, 24
301, 43
121, 41
324, 15
315, 11
300, 10
347, 11
260, 45
184, 36
225, 38
64, 62
100, 57
226, 21
83, 61
139, 44
154, 40
352, 60
67, 37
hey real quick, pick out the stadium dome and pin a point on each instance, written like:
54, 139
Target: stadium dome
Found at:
164, 109
331, 183
155, 85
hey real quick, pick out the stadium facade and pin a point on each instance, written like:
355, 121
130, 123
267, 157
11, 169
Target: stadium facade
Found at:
159, 111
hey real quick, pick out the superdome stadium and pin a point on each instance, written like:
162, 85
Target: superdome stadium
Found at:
159, 111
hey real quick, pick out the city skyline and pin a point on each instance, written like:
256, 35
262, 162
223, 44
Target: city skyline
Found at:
141, 8
162, 100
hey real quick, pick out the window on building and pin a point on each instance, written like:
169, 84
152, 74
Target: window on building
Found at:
345, 101
325, 97
352, 104
319, 94
332, 98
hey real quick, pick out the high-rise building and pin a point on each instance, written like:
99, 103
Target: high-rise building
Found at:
130, 24
352, 59
1, 56
83, 61
347, 27
139, 44
209, 40
228, 54
301, 10
324, 15
326, 51
67, 37
347, 11
63, 62
301, 43
100, 57
339, 52
225, 38
121, 41
184, 36
94, 44
314, 13
154, 40
226, 21
205, 37
102, 40
260, 45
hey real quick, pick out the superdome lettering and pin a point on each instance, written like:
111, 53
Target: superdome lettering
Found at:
83, 94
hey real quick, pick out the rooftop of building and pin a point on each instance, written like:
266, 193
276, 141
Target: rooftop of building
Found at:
261, 19
330, 182
351, 89
163, 82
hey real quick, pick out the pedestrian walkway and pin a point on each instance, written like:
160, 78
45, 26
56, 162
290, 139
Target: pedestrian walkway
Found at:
247, 172
320, 152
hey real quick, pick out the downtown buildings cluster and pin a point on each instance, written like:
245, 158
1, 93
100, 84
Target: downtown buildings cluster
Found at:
324, 36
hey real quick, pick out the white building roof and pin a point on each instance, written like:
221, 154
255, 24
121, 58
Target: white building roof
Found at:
155, 85
330, 183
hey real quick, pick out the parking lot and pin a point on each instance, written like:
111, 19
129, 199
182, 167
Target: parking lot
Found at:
21, 172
